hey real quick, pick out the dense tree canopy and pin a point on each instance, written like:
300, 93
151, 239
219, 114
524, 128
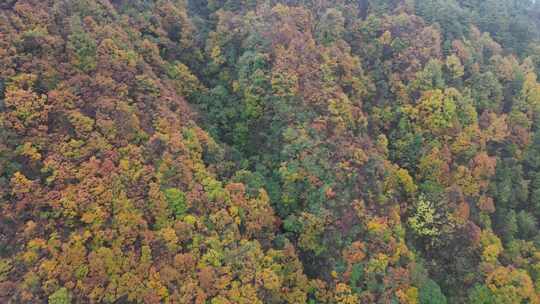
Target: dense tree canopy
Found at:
269, 151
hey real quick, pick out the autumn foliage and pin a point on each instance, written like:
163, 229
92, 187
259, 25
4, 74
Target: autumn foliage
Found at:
250, 151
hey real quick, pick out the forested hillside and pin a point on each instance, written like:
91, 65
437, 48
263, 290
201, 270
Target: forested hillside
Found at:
270, 151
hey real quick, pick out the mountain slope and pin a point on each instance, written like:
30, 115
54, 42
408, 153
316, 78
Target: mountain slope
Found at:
269, 151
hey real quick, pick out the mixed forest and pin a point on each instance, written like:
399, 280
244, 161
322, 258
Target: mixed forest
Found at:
270, 151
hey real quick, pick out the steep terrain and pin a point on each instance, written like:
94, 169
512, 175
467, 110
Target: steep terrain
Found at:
269, 151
